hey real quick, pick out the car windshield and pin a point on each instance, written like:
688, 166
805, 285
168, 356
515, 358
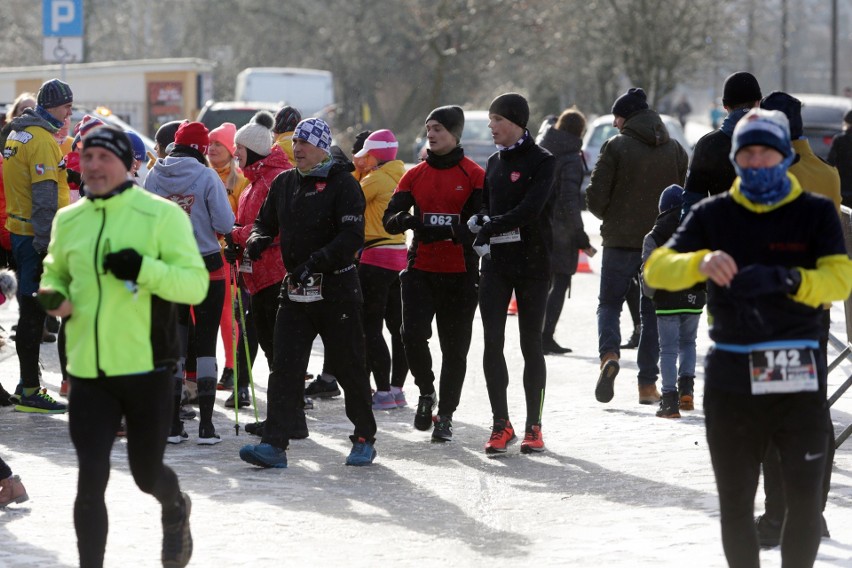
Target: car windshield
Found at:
822, 115
602, 133
239, 116
476, 131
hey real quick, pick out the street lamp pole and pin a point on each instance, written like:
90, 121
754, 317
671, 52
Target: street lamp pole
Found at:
834, 54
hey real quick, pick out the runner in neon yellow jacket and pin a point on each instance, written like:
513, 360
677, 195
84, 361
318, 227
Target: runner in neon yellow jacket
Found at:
103, 336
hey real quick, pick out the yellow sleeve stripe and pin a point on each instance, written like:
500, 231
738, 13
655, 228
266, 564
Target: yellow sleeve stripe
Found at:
667, 269
830, 281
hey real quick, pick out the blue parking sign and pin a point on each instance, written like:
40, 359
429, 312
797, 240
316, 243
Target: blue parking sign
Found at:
62, 18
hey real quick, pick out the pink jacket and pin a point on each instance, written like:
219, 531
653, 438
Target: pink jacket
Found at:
268, 270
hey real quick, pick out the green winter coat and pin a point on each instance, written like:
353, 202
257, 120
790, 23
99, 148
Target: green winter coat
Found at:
633, 169
114, 330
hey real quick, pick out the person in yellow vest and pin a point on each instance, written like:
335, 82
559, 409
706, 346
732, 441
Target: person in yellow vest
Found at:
36, 187
220, 154
286, 120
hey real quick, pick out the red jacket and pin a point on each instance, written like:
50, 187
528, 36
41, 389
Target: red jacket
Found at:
268, 270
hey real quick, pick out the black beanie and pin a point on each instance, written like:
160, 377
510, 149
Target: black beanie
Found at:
359, 141
513, 107
112, 139
166, 133
286, 120
630, 103
54, 93
740, 87
847, 118
790, 106
451, 117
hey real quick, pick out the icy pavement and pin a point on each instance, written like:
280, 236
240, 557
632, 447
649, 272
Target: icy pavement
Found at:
616, 487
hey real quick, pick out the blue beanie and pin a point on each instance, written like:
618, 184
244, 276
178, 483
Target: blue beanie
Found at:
137, 144
54, 93
762, 128
671, 197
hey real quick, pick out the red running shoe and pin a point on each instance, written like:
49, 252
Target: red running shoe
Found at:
533, 440
502, 434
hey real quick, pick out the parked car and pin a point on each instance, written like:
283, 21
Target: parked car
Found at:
822, 119
215, 113
601, 129
476, 138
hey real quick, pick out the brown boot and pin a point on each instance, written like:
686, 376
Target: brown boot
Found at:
609, 369
648, 394
12, 491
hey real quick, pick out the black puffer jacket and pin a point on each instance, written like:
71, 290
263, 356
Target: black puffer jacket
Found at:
633, 169
569, 235
321, 217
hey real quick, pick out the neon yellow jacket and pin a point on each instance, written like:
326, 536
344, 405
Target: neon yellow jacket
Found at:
112, 330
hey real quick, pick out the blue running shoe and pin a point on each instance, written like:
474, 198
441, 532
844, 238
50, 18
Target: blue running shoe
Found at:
363, 452
40, 403
264, 455
383, 400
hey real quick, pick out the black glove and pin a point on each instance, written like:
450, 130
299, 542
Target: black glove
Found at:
481, 239
124, 264
233, 252
256, 245
50, 300
758, 280
411, 222
303, 274
73, 177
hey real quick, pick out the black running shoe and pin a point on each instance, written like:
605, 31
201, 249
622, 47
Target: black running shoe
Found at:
423, 417
318, 388
242, 396
255, 428
443, 430
177, 538
226, 382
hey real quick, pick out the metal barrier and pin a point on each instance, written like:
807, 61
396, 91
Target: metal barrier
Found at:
845, 347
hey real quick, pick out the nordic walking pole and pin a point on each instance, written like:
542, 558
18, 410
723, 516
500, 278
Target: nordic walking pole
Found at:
248, 355
235, 392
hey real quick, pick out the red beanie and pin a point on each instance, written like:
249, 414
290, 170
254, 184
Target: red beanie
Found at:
194, 135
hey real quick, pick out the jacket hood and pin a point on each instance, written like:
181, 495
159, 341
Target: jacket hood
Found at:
560, 142
179, 173
27, 119
276, 160
393, 169
646, 126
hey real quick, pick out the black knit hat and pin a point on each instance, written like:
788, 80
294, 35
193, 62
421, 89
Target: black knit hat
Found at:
790, 106
630, 103
740, 87
359, 141
513, 107
112, 139
166, 133
286, 120
847, 118
451, 117
54, 93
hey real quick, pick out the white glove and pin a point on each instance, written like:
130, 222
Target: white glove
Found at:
476, 222
484, 251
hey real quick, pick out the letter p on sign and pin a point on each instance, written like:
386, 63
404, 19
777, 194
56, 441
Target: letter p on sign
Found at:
62, 18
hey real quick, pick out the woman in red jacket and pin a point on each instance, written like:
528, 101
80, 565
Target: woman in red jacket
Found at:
261, 162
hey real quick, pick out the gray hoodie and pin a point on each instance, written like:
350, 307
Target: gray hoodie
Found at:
200, 193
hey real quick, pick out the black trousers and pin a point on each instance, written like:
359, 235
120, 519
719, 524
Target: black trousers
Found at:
296, 327
378, 286
449, 299
495, 293
739, 429
559, 285
95, 408
775, 503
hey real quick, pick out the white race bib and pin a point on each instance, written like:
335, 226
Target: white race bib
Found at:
513, 236
788, 370
304, 294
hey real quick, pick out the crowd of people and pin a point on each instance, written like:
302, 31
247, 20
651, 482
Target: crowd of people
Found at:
272, 235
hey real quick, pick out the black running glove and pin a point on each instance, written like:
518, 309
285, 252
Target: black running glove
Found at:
124, 264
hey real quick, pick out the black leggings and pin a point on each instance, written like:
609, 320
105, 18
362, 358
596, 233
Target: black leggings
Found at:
495, 293
259, 310
378, 286
95, 408
739, 429
449, 299
559, 285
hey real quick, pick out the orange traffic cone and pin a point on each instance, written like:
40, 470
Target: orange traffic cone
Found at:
513, 306
583, 263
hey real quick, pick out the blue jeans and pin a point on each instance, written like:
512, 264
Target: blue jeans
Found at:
677, 339
618, 267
